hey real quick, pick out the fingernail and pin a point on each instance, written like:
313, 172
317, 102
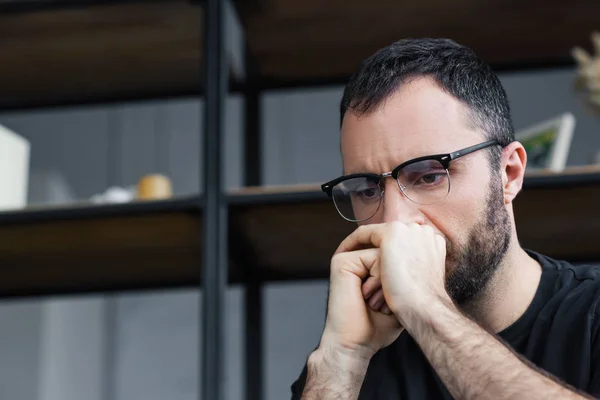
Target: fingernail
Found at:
386, 310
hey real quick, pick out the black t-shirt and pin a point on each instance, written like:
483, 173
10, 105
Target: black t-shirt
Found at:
559, 333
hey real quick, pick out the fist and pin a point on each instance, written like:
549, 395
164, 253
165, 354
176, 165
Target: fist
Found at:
381, 275
351, 327
413, 267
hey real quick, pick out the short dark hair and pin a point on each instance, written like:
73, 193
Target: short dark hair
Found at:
456, 68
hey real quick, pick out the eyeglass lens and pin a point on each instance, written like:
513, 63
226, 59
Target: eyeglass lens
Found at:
424, 182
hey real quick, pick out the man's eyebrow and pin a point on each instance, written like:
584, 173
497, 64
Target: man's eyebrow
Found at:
359, 170
458, 161
353, 172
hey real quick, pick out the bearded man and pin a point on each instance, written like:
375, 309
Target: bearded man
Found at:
432, 296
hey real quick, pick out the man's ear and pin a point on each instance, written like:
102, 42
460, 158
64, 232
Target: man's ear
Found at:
513, 163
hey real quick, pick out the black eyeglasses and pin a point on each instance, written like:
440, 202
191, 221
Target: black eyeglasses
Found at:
423, 180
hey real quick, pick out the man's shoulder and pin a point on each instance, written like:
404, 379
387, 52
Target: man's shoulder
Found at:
577, 283
568, 271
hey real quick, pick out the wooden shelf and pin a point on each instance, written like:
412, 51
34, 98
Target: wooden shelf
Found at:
290, 233
98, 248
66, 52
103, 51
559, 214
313, 40
295, 233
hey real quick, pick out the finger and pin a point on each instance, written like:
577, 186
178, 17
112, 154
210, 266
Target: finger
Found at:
357, 262
364, 235
386, 310
370, 286
377, 300
436, 236
440, 242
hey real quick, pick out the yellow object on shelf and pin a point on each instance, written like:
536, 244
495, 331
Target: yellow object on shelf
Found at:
154, 187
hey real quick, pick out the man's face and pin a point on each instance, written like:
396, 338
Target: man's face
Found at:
421, 119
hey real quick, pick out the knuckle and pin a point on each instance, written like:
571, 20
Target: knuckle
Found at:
338, 259
397, 227
361, 228
441, 239
341, 261
427, 229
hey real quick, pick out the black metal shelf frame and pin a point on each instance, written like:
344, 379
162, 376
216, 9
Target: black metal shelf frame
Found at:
214, 268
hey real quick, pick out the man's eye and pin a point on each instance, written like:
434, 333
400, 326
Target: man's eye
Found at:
430, 178
368, 193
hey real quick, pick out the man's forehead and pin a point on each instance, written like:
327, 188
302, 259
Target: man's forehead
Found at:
418, 119
391, 150
407, 142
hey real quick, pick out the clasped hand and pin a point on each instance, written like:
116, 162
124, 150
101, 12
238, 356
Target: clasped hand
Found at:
399, 265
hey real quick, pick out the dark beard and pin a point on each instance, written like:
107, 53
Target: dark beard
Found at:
475, 263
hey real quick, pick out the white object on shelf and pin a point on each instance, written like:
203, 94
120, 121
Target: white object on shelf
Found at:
114, 194
14, 169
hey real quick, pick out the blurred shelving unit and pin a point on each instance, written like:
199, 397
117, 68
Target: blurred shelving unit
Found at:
107, 248
70, 52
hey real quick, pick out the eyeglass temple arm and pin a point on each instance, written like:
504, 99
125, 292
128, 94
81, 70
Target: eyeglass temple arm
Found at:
469, 150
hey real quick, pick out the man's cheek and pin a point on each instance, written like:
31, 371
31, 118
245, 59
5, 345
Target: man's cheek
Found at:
452, 252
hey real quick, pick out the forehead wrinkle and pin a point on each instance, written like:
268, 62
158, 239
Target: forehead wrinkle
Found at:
368, 159
358, 152
387, 157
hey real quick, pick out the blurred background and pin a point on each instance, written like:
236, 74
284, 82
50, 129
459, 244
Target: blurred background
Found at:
95, 96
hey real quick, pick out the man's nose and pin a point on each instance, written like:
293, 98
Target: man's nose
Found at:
397, 207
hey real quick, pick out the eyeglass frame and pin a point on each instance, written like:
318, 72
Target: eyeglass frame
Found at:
443, 159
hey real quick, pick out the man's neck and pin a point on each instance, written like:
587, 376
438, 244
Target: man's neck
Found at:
509, 293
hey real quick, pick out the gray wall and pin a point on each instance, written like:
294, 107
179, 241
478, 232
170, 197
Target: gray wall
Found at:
20, 327
153, 337
73, 349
